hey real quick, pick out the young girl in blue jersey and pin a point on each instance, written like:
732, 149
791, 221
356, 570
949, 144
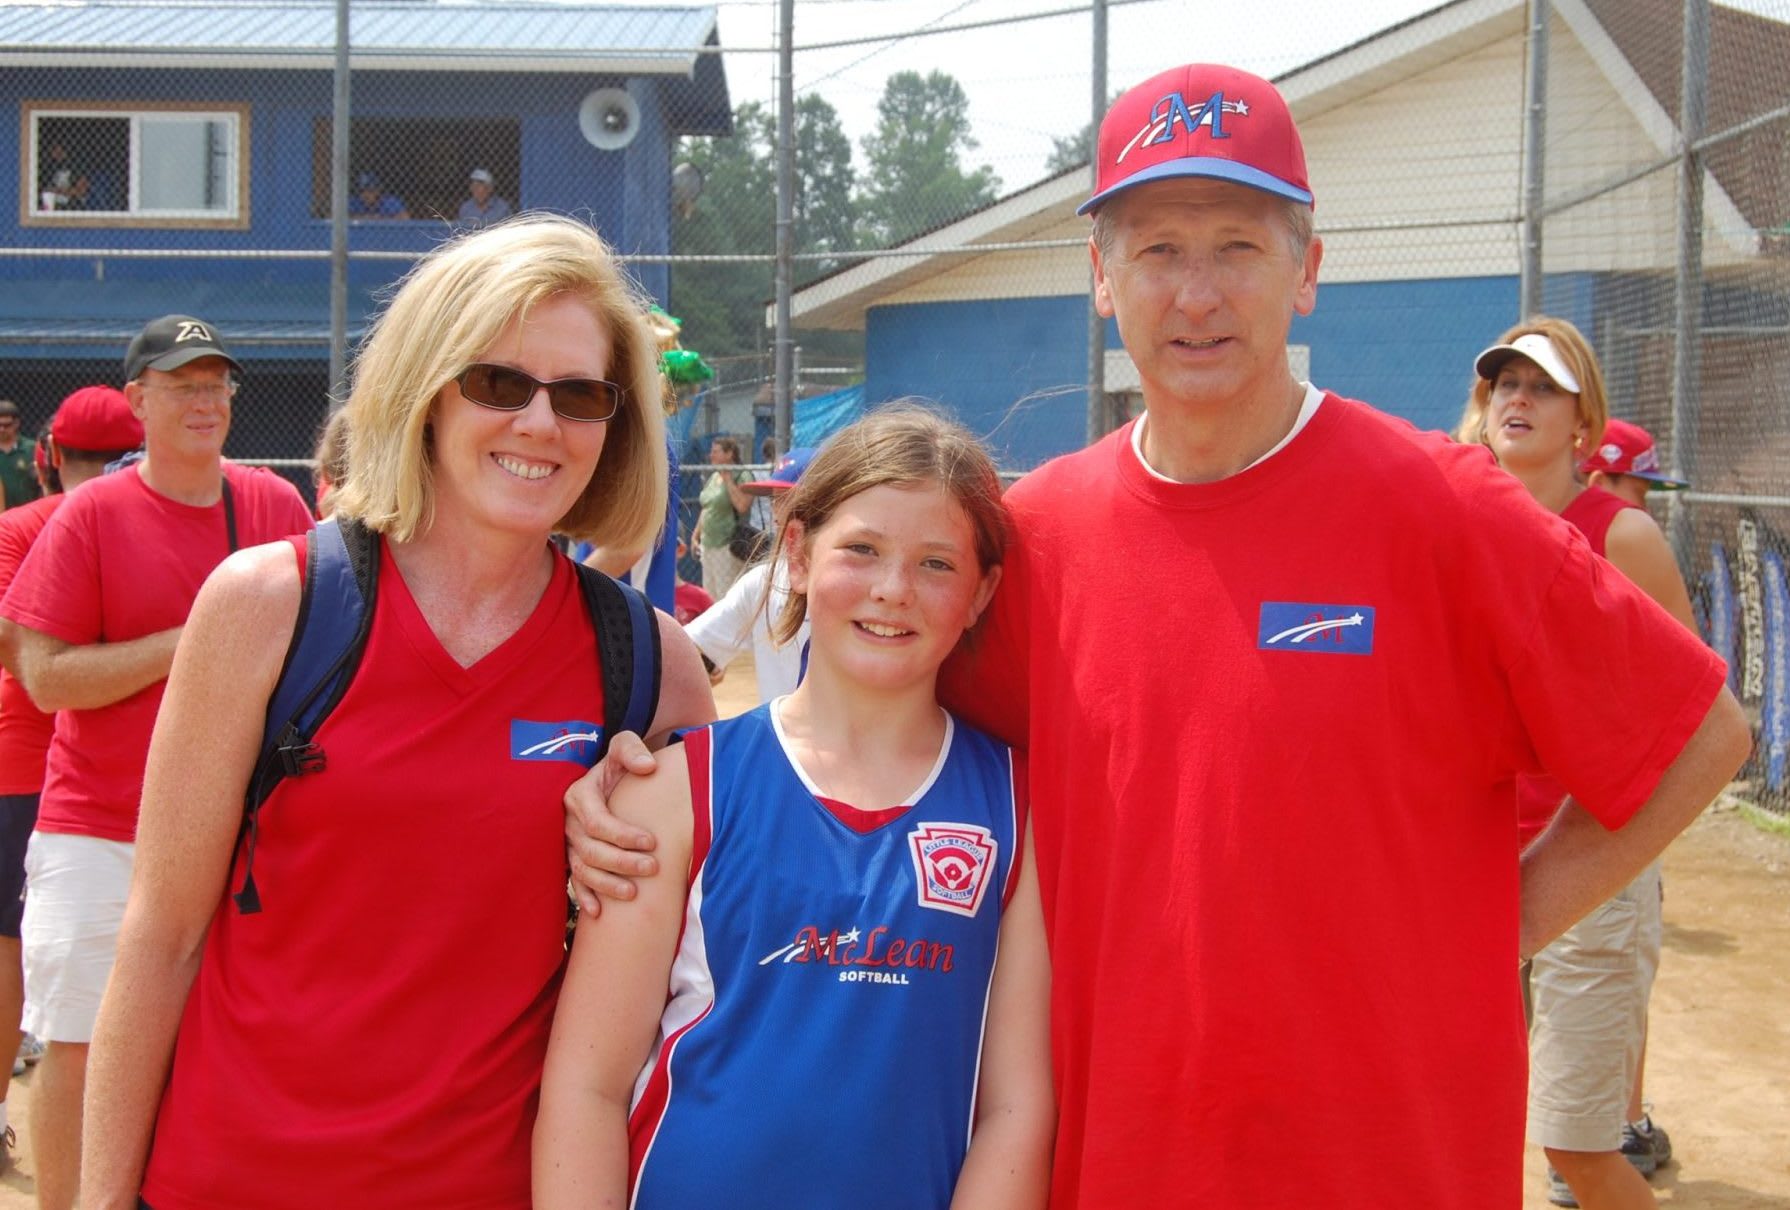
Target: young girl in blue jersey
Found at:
805, 1008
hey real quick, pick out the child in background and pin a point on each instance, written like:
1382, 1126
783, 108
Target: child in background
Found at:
841, 866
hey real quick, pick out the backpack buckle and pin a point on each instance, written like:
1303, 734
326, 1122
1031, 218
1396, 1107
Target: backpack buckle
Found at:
298, 759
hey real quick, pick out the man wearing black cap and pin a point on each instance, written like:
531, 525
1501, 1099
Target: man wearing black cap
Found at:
98, 606
18, 469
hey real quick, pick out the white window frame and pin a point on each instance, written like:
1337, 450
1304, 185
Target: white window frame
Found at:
234, 217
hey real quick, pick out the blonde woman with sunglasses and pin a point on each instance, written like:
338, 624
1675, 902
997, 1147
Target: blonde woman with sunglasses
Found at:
374, 1035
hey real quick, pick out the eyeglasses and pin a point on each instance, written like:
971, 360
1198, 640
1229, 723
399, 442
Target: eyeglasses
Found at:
196, 392
588, 400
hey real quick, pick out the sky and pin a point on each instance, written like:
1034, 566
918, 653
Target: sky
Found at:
1030, 81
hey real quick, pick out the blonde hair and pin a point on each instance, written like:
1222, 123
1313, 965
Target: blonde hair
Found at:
445, 314
1575, 351
901, 444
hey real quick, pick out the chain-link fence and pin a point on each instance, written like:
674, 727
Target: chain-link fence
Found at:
1623, 163
1665, 234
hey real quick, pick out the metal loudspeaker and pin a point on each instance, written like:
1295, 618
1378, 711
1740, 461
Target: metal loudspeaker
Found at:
609, 119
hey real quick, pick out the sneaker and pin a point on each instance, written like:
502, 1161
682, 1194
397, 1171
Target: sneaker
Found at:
1559, 1192
1646, 1146
31, 1049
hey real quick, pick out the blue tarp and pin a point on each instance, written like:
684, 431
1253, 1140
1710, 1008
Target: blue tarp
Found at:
821, 416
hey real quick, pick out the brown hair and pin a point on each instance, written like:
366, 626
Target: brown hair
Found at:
901, 444
1575, 350
331, 460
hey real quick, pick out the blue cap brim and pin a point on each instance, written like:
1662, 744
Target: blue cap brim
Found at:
1663, 482
1211, 167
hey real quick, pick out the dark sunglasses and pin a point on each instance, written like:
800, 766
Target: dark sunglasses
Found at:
507, 390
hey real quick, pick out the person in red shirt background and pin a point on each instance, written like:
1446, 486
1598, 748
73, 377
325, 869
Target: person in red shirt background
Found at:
1538, 404
92, 426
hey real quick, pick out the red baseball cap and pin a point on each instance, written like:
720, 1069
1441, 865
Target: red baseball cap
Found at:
1627, 449
784, 475
97, 420
1202, 120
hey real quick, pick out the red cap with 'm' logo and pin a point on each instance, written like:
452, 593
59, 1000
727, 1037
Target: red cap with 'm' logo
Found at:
1202, 120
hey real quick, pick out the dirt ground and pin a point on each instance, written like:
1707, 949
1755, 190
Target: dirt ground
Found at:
1718, 1068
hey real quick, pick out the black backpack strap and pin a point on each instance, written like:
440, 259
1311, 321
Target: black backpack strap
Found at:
335, 615
628, 650
229, 513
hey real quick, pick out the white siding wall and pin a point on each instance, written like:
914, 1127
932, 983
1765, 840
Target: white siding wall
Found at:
1422, 179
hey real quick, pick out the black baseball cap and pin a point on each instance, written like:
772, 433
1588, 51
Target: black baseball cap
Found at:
170, 342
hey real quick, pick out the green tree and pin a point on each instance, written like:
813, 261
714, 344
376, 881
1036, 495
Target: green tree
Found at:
1073, 151
722, 305
914, 174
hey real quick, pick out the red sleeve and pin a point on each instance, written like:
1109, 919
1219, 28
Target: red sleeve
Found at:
1608, 686
19, 528
986, 681
56, 591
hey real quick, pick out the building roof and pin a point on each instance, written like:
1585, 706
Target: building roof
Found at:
390, 35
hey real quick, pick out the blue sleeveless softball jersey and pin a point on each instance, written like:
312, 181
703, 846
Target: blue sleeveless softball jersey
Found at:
821, 1040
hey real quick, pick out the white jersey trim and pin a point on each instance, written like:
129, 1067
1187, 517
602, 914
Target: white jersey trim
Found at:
938, 764
1308, 407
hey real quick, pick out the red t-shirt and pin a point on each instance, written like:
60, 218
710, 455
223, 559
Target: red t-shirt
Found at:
1274, 723
375, 1035
120, 561
24, 729
1539, 797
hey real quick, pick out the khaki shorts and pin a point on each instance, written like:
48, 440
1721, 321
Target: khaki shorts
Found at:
1588, 993
75, 888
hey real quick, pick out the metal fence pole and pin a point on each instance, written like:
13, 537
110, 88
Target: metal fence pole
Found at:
1535, 114
784, 370
1687, 292
1097, 417
338, 218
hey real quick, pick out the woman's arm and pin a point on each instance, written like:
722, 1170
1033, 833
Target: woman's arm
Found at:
207, 735
1635, 547
739, 497
1008, 1165
609, 1009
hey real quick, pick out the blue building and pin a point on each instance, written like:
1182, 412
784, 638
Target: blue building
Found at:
177, 157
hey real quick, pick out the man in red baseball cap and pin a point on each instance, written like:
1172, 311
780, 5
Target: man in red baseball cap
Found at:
1276, 838
1626, 465
1278, 659
91, 427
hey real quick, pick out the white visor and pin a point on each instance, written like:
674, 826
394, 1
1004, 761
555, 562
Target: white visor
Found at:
1536, 348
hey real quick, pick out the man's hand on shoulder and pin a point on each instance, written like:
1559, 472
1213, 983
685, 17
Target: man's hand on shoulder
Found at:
604, 853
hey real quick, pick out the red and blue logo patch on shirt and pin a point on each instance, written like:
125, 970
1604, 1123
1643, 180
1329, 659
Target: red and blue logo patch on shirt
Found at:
573, 740
1300, 626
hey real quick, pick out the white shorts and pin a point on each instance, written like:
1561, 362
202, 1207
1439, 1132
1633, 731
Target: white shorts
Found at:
1589, 993
75, 888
